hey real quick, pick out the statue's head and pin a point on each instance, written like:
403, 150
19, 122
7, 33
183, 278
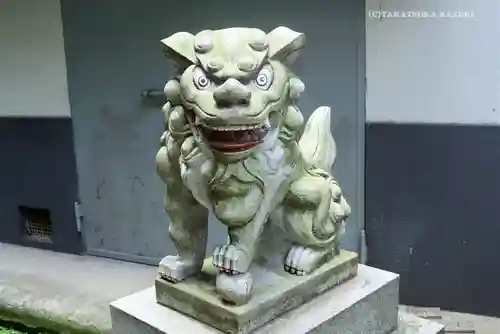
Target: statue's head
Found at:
235, 83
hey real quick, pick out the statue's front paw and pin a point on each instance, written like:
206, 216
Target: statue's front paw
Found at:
301, 260
175, 269
232, 259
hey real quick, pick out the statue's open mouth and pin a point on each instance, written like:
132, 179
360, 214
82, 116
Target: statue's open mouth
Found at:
232, 139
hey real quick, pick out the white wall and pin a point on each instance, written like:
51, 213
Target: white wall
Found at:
32, 61
435, 70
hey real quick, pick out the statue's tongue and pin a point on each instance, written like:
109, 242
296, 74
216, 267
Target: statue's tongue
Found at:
234, 140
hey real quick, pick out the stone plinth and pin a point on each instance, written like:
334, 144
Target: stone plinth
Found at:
368, 303
275, 292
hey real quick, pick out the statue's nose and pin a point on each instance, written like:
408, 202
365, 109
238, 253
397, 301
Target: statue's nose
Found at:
232, 92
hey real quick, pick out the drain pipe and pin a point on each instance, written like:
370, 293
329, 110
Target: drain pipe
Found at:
363, 248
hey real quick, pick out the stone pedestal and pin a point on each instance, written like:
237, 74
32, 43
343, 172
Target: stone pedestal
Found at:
366, 304
275, 292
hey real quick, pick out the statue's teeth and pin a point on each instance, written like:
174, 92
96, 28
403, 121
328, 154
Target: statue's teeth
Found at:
233, 127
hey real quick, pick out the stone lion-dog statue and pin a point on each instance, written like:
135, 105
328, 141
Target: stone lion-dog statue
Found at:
235, 145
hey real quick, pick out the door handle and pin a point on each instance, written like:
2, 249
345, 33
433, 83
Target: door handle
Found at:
152, 93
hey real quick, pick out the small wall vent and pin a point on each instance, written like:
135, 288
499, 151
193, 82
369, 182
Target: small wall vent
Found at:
36, 224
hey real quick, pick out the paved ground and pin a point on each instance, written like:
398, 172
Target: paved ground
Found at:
458, 322
70, 288
78, 289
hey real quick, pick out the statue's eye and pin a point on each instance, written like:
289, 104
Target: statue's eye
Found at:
265, 78
261, 80
200, 80
203, 82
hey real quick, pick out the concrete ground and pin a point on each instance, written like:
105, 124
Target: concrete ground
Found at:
75, 291
457, 322
67, 288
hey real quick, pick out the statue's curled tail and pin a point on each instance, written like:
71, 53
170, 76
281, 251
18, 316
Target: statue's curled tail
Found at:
316, 143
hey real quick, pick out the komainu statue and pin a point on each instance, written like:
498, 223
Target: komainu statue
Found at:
235, 145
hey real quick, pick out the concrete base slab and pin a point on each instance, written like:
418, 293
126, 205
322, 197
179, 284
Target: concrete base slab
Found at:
275, 292
368, 303
411, 324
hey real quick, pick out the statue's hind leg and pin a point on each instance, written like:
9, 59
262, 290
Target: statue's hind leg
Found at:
313, 217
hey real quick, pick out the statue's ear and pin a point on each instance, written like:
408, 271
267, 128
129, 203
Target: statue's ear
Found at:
285, 44
180, 48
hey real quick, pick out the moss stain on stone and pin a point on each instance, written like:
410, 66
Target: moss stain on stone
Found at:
39, 323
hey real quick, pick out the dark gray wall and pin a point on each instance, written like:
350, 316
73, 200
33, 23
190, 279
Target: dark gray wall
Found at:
432, 210
113, 53
38, 170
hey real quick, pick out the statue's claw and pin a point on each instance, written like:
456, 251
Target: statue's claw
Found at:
168, 278
302, 260
175, 269
231, 259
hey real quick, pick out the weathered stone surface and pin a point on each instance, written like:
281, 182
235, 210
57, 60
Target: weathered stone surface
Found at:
366, 304
275, 292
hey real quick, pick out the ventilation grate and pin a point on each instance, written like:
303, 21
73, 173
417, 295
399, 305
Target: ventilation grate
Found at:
37, 224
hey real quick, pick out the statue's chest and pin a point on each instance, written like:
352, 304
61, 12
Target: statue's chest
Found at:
258, 177
232, 180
